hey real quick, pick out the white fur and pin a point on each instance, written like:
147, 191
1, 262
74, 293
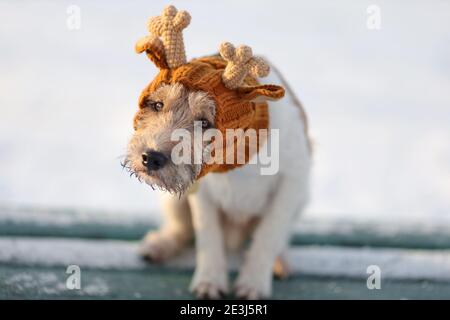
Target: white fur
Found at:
244, 194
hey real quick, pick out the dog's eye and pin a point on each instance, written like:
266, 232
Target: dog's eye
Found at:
157, 106
205, 123
154, 105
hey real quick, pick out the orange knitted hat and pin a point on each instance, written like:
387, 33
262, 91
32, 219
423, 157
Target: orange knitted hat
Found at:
228, 78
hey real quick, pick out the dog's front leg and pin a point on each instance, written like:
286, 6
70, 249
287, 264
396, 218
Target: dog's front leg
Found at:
269, 239
175, 233
210, 277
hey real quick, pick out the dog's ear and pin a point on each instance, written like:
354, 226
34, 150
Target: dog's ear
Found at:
154, 49
261, 93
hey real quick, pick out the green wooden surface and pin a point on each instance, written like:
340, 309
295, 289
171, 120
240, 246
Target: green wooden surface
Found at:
21, 279
18, 282
124, 226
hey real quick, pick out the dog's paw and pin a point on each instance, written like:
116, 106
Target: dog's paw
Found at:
209, 285
207, 290
158, 246
253, 286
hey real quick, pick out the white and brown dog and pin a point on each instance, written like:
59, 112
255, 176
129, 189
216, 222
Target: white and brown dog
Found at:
226, 208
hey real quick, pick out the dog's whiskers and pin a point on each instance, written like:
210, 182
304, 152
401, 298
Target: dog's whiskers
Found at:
126, 166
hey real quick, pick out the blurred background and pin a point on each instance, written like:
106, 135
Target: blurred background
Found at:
378, 99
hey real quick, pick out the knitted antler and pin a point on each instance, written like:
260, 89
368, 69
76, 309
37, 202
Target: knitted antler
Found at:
241, 62
169, 27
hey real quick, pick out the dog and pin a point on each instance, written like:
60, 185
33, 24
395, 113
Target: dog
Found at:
222, 211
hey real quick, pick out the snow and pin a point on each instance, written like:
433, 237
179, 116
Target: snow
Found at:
378, 101
49, 284
312, 260
67, 218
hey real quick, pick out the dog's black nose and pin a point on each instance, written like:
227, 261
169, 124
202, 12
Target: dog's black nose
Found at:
153, 160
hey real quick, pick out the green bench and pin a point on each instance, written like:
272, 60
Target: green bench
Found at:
329, 259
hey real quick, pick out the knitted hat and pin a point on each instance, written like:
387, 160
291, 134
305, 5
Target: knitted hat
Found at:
228, 78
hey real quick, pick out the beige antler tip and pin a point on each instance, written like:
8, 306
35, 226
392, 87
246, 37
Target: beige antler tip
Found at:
244, 53
259, 67
169, 26
169, 11
227, 51
153, 25
240, 62
264, 71
181, 20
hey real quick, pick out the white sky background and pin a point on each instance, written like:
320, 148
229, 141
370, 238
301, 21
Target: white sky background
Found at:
378, 101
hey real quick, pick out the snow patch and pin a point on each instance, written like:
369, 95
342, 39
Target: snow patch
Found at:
312, 260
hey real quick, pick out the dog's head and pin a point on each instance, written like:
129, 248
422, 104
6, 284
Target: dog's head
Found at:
216, 92
168, 109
